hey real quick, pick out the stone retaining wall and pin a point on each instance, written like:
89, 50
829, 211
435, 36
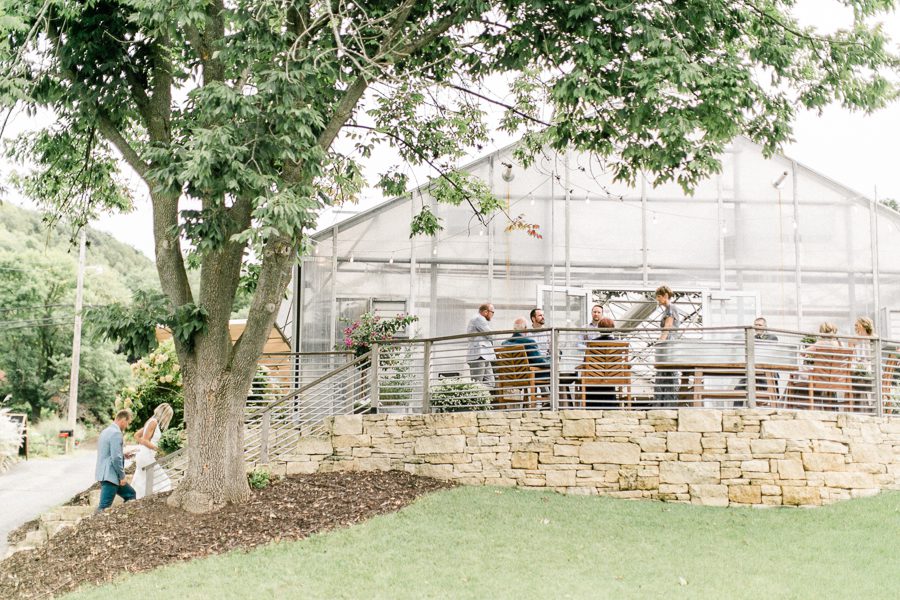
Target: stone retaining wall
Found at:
702, 456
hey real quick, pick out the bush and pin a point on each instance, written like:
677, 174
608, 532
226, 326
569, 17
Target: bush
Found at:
155, 378
43, 436
456, 394
171, 440
258, 478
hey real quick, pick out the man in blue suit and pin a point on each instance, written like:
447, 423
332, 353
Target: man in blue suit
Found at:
111, 462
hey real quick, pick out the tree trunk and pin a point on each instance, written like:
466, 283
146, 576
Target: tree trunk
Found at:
214, 414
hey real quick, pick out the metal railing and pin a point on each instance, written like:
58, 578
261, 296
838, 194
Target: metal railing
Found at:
630, 369
639, 369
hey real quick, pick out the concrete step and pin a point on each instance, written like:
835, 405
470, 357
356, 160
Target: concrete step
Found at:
95, 500
36, 537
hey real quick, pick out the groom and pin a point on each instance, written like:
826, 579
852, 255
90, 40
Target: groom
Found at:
111, 462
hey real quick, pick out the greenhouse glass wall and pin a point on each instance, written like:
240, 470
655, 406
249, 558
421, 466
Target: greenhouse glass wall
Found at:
765, 236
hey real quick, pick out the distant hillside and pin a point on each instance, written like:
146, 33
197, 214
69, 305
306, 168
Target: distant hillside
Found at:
23, 230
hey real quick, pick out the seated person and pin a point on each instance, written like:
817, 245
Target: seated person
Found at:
601, 396
535, 357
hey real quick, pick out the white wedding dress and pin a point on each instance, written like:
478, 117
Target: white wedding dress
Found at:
145, 457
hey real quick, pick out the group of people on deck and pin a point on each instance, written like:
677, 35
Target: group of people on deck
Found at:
528, 333
536, 341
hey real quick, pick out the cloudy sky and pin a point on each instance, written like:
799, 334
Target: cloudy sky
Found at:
860, 151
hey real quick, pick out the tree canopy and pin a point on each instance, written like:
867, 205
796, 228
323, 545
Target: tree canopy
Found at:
245, 118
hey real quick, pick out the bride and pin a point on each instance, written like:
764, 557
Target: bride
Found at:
148, 438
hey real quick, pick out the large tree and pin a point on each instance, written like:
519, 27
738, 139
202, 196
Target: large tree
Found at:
244, 118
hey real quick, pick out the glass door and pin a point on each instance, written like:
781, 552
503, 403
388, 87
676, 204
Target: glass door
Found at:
563, 307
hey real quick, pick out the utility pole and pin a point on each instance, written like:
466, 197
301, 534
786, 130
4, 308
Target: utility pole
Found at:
76, 339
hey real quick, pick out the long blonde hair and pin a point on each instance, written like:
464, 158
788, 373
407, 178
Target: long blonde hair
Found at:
867, 325
829, 328
163, 415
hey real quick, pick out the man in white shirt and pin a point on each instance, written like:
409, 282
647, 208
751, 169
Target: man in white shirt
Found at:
542, 338
481, 350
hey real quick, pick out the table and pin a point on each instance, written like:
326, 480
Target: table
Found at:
765, 372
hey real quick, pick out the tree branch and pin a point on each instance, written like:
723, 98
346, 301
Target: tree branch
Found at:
111, 133
427, 161
275, 272
499, 103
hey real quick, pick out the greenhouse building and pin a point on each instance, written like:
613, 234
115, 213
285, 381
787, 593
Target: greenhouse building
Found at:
765, 236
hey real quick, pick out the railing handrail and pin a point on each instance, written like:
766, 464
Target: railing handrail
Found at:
293, 394
734, 328
322, 353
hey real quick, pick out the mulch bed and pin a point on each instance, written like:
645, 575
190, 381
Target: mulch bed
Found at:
105, 546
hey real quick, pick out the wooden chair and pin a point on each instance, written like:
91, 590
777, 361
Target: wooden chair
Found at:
606, 364
830, 372
515, 376
889, 378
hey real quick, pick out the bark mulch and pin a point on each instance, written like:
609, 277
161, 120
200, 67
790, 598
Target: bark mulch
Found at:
105, 546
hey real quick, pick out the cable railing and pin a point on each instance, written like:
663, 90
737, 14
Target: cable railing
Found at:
561, 368
721, 367
273, 429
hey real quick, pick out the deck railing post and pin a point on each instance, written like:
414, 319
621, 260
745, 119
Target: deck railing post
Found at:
878, 357
374, 392
426, 377
750, 343
264, 437
148, 474
554, 369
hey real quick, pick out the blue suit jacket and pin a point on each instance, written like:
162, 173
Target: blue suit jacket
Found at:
110, 456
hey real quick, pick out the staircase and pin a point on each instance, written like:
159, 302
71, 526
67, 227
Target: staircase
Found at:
274, 424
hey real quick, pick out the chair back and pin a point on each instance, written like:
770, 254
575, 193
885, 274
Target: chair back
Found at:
606, 363
511, 365
890, 377
831, 368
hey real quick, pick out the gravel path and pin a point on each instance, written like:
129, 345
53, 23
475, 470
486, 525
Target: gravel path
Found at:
33, 486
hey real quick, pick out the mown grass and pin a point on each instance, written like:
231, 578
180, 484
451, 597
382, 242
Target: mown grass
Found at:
507, 543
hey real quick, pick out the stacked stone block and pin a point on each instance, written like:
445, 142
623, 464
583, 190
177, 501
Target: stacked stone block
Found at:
702, 456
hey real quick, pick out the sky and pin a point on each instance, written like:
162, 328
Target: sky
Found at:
857, 150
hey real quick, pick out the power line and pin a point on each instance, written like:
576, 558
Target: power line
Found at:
36, 307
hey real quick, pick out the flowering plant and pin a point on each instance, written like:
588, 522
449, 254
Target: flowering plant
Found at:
369, 329
155, 378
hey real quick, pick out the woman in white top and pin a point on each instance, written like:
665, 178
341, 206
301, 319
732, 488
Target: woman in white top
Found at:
148, 438
863, 366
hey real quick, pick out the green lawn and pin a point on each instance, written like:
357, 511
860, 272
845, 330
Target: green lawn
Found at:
506, 543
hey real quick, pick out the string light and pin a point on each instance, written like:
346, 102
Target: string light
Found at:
392, 259
587, 199
351, 259
532, 201
654, 218
434, 251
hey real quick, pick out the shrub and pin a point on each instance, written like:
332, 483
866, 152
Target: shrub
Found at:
369, 329
258, 478
171, 440
458, 393
43, 436
155, 378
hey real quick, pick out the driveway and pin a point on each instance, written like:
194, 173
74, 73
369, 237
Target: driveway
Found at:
33, 486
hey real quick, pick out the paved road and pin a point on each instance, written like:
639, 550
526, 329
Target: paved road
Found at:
33, 486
